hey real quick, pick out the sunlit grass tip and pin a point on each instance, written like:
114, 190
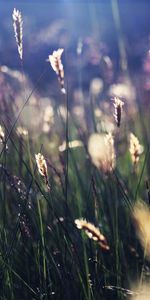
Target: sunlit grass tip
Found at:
92, 232
57, 66
118, 104
18, 30
135, 149
42, 167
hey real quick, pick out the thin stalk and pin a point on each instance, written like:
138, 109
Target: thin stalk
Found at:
121, 43
42, 237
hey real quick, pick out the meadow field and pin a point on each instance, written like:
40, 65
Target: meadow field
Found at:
74, 150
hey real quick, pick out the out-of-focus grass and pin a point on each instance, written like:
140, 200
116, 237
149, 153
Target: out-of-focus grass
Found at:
42, 253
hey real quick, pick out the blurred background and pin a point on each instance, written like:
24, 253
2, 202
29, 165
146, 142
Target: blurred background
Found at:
118, 29
106, 56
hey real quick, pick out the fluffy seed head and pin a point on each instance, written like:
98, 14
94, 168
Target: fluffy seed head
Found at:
92, 232
141, 291
141, 217
42, 165
102, 152
135, 149
17, 24
57, 66
48, 118
21, 131
55, 60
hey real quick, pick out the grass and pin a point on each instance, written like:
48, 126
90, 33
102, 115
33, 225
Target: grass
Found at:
42, 253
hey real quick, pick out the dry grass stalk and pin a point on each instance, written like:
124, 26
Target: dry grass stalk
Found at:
135, 149
102, 151
141, 217
92, 232
17, 24
118, 104
42, 167
57, 66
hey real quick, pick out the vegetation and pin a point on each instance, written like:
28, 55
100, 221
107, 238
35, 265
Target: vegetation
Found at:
74, 183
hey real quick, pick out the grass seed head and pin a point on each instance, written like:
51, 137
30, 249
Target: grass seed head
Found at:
57, 66
2, 135
135, 149
141, 217
102, 151
22, 131
141, 291
42, 166
118, 104
92, 232
18, 24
